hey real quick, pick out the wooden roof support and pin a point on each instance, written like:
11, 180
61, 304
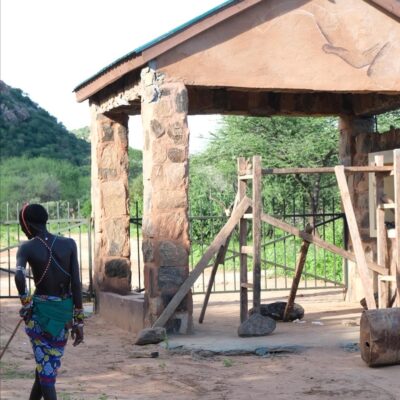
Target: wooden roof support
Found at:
396, 162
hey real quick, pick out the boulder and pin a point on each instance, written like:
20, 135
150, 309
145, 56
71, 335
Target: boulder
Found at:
151, 336
256, 325
276, 310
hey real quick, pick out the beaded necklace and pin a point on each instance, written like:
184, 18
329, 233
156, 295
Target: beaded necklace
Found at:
48, 263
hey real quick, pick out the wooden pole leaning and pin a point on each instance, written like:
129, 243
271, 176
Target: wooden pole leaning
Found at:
301, 260
256, 227
218, 241
242, 190
396, 167
361, 260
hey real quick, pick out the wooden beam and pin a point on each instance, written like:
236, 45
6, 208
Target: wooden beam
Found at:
396, 165
355, 237
256, 224
301, 260
326, 170
219, 240
242, 168
319, 242
382, 288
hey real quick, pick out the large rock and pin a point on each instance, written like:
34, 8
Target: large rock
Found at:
151, 336
277, 309
256, 325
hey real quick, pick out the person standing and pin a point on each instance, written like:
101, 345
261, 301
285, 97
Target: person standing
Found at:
56, 305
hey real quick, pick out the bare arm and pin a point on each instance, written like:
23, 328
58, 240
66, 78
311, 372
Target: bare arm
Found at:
77, 328
75, 278
20, 274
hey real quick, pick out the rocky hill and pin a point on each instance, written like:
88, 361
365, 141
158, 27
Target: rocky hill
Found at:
27, 130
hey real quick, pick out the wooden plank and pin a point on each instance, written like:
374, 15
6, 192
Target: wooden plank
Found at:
219, 240
245, 177
325, 170
297, 276
361, 260
256, 226
319, 242
248, 250
396, 165
246, 285
382, 288
242, 167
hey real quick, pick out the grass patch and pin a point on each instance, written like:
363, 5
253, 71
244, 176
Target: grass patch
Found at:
11, 371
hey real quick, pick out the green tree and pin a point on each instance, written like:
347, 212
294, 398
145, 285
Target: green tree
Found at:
281, 142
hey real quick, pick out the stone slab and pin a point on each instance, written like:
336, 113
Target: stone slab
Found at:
125, 312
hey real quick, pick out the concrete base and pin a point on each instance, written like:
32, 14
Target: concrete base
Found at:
125, 312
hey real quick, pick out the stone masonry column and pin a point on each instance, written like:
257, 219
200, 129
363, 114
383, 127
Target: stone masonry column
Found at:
354, 147
165, 216
109, 138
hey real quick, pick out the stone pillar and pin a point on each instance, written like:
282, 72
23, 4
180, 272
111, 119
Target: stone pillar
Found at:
165, 216
109, 139
354, 146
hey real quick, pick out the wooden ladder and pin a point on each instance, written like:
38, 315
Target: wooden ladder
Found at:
245, 175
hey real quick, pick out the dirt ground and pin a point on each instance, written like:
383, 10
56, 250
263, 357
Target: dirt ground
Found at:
109, 366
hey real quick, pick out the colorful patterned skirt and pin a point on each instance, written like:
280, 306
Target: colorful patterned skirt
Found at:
47, 349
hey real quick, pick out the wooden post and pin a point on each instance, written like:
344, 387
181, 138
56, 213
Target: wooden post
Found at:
257, 209
301, 260
355, 237
242, 188
381, 237
396, 167
219, 240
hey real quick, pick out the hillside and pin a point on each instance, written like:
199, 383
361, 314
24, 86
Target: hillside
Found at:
27, 130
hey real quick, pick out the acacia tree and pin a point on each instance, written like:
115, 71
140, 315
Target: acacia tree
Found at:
281, 142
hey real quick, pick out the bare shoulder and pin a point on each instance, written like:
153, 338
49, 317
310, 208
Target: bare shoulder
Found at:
66, 241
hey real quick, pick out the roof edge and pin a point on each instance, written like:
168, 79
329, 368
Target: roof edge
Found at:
157, 40
152, 49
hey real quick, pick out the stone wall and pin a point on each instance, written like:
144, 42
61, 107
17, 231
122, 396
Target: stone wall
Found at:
109, 137
165, 229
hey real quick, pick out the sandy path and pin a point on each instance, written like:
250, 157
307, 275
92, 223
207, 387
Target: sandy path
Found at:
107, 366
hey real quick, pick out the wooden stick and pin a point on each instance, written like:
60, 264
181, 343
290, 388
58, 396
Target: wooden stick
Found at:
381, 287
221, 237
325, 170
256, 224
355, 237
219, 259
319, 242
242, 189
396, 165
301, 260
11, 338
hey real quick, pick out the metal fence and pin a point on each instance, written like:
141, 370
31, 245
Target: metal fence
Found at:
279, 250
65, 221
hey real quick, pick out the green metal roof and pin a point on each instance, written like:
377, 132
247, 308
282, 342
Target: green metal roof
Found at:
157, 40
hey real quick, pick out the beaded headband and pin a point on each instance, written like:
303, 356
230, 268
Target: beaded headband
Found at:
23, 218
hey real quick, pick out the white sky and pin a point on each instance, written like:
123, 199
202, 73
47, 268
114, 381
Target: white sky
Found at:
48, 47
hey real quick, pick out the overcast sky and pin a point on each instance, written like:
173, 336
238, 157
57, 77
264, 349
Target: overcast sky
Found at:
48, 47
